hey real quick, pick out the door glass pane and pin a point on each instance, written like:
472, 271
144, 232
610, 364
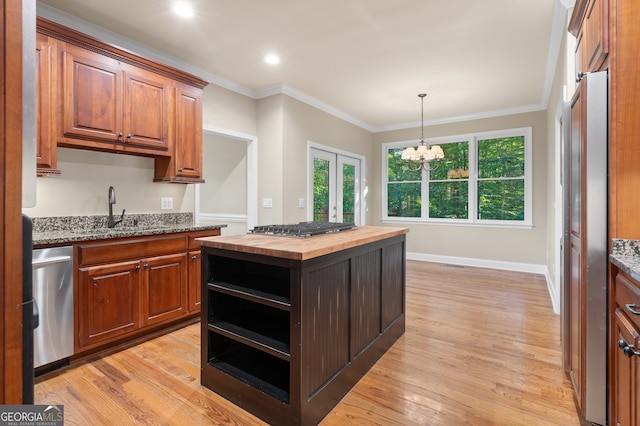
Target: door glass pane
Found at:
320, 190
348, 193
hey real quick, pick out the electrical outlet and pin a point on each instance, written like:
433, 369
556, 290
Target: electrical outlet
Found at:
166, 203
301, 203
267, 203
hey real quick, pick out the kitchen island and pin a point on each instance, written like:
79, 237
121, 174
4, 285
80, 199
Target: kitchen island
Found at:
289, 325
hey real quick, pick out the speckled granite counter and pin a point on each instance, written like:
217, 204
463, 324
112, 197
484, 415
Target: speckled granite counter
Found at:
625, 254
69, 229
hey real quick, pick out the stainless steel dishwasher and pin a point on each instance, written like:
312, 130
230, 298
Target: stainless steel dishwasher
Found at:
53, 293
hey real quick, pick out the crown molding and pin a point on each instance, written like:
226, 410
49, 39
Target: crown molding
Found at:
558, 28
316, 103
466, 117
558, 31
117, 40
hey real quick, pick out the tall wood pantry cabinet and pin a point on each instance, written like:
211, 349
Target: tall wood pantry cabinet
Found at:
607, 32
585, 238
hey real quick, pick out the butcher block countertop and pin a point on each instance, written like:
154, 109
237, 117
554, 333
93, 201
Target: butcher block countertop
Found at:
301, 248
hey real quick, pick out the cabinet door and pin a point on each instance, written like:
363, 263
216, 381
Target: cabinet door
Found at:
194, 280
164, 287
147, 97
596, 34
188, 142
625, 394
45, 141
108, 302
91, 96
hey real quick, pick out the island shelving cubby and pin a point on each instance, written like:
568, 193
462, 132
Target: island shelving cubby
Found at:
290, 325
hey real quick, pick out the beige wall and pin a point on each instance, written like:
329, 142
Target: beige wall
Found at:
561, 90
224, 167
86, 177
285, 126
303, 124
270, 158
526, 246
229, 110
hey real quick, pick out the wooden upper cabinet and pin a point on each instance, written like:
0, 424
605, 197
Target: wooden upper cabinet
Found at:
188, 153
106, 101
46, 160
185, 165
91, 96
596, 34
590, 24
147, 100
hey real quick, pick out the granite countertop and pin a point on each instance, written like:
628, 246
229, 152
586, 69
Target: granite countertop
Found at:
625, 254
69, 229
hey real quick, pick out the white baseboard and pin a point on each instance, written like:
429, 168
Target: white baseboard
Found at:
493, 264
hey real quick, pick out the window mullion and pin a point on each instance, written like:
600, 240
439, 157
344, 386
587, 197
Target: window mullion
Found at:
425, 195
473, 179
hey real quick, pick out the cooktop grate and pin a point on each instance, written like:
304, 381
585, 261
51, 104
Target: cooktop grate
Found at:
303, 229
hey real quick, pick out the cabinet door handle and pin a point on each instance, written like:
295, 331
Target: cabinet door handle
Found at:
631, 308
627, 349
137, 267
194, 257
119, 135
95, 284
146, 265
129, 136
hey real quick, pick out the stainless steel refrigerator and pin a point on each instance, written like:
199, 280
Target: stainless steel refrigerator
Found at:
585, 245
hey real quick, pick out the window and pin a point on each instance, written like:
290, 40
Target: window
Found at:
483, 179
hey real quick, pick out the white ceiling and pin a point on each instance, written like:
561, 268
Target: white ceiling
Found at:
363, 60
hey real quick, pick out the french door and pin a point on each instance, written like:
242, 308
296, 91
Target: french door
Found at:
334, 192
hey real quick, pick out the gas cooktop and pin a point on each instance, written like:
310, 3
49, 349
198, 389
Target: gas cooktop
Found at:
303, 229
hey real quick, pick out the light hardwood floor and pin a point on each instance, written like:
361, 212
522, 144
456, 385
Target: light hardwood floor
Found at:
482, 347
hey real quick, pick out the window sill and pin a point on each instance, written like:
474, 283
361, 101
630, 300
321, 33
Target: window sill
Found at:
417, 221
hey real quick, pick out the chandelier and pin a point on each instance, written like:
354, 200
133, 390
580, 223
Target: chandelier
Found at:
420, 157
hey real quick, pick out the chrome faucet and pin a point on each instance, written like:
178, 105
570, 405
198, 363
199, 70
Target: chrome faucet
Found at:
112, 201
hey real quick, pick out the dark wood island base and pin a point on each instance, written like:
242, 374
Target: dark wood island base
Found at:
290, 325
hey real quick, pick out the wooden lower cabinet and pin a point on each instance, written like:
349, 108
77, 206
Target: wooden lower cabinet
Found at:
109, 301
130, 286
624, 375
195, 292
164, 288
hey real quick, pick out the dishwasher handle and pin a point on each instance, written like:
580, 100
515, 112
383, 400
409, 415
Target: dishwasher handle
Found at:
39, 263
36, 315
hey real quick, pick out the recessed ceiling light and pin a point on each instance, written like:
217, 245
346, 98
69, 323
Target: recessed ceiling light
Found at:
183, 9
272, 59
